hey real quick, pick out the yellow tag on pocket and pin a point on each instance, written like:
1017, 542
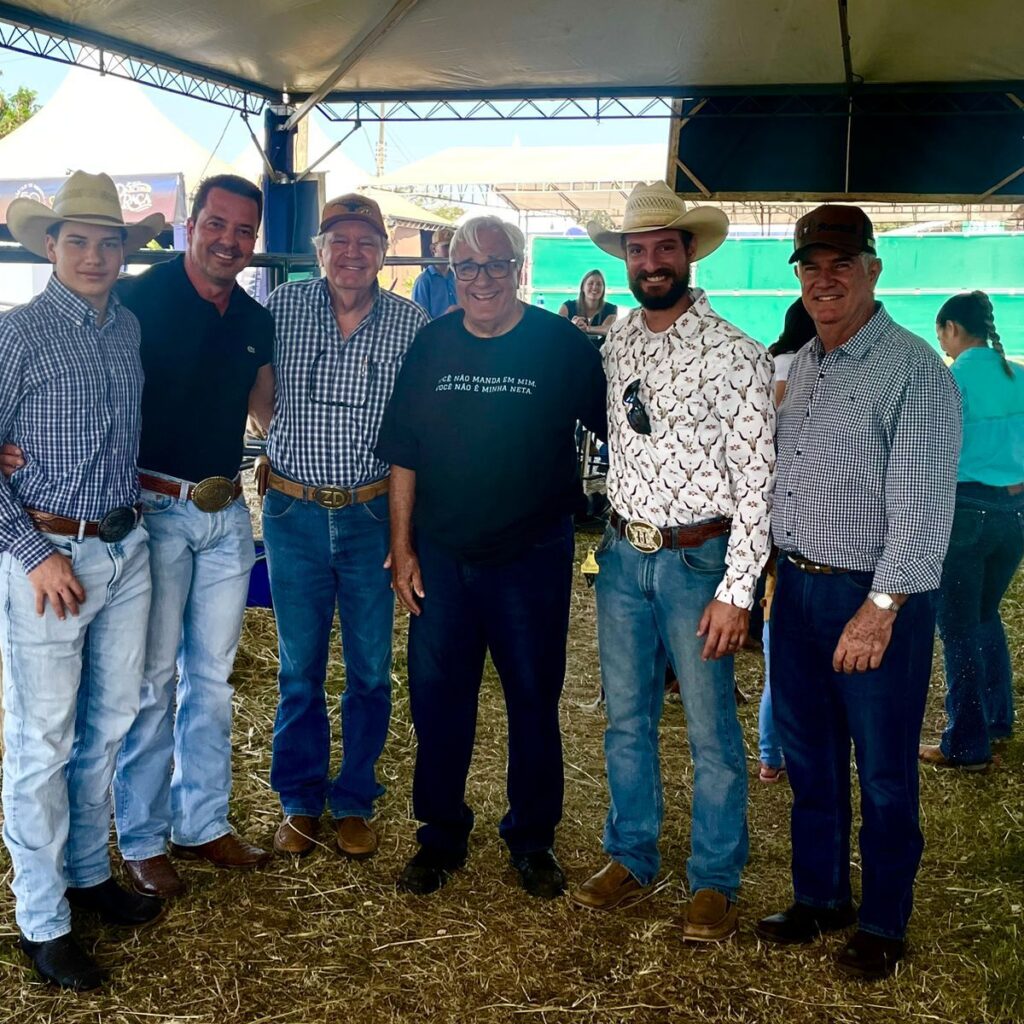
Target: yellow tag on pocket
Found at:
590, 566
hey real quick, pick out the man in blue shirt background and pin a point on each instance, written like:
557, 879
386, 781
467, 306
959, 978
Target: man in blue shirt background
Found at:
434, 289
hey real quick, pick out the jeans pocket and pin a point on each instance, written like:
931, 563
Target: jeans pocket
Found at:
709, 558
154, 503
968, 525
607, 539
377, 508
64, 544
277, 505
858, 582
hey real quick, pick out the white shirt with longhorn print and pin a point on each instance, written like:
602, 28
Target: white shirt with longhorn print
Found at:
706, 387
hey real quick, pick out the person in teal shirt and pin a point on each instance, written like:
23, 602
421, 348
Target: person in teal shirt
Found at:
987, 541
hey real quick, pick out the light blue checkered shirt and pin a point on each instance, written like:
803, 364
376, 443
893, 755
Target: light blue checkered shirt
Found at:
70, 395
331, 392
868, 438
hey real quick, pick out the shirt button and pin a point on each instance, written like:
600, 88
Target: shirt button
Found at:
799, 452
789, 494
788, 534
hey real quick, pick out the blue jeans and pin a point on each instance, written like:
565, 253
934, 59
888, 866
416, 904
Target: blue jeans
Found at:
648, 609
818, 712
71, 691
200, 564
769, 747
320, 559
519, 611
985, 549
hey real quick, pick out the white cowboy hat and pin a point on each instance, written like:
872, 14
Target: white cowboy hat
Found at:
656, 207
83, 199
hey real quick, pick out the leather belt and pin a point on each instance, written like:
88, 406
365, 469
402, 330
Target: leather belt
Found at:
804, 565
113, 527
1015, 489
648, 538
213, 494
329, 497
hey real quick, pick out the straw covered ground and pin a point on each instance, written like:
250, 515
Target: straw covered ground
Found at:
325, 940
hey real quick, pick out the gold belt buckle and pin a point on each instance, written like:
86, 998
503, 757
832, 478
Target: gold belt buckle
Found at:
213, 494
645, 537
332, 497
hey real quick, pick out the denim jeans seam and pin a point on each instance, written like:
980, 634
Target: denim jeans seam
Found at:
97, 878
208, 835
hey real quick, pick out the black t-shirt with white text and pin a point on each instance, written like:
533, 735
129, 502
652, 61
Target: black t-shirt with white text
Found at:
488, 426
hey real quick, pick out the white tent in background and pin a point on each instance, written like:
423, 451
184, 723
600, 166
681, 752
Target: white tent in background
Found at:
102, 123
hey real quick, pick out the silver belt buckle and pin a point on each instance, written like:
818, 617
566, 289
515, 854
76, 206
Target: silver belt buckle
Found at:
213, 494
643, 536
333, 497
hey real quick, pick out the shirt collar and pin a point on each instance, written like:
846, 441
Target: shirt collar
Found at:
325, 299
688, 325
863, 341
73, 306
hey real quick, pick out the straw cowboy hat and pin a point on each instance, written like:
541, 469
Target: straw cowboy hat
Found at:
82, 199
656, 207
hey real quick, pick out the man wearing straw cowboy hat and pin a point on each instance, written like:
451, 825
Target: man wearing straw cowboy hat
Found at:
206, 347
74, 569
690, 421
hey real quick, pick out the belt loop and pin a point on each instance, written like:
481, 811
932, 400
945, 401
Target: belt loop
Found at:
183, 490
81, 530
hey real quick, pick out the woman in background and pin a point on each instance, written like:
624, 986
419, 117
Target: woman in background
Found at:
589, 312
797, 329
987, 540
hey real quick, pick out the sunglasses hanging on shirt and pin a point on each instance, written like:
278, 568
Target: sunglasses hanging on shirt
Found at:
636, 414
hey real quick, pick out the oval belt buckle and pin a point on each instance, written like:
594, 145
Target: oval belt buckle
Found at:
117, 524
213, 494
332, 497
645, 537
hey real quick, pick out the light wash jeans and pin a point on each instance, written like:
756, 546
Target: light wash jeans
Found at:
769, 746
648, 609
319, 560
200, 563
71, 690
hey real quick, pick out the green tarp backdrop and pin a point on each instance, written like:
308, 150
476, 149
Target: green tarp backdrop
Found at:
749, 281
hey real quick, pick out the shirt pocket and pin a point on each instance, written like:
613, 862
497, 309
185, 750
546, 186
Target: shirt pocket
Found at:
340, 378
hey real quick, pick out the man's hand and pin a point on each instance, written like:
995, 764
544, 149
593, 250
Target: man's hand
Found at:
406, 581
11, 458
864, 640
724, 627
53, 581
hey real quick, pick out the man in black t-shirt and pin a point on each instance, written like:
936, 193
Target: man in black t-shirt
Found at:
206, 350
480, 436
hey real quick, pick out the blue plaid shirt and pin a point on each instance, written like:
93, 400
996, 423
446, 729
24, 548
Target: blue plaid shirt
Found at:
331, 392
868, 439
70, 394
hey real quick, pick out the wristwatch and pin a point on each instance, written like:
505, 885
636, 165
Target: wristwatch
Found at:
883, 601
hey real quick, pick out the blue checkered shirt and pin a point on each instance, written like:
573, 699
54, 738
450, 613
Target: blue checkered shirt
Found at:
70, 395
868, 439
331, 391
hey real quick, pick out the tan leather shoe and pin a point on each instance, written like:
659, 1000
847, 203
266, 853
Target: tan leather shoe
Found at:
356, 838
613, 886
710, 917
228, 851
154, 876
935, 757
296, 835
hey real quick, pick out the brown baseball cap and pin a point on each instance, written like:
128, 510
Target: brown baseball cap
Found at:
352, 206
846, 228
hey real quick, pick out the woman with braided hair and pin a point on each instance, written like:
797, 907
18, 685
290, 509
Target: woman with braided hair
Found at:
987, 541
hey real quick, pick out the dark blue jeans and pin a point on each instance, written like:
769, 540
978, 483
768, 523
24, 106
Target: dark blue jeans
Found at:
519, 611
818, 712
985, 549
321, 560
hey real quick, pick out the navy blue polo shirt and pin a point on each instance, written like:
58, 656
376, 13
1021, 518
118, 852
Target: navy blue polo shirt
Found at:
200, 366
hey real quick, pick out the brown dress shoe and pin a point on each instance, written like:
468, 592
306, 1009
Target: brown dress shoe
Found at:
356, 838
613, 886
155, 876
225, 852
710, 917
935, 757
296, 835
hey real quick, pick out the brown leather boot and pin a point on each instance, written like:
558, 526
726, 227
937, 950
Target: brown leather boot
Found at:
296, 835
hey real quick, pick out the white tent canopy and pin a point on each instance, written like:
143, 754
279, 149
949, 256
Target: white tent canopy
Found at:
451, 47
99, 123
553, 178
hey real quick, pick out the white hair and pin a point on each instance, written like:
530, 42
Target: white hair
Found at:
468, 234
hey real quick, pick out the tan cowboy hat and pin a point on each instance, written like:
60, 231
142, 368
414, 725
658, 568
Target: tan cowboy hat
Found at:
82, 199
656, 207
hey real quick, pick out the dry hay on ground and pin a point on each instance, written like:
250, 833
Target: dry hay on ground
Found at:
324, 940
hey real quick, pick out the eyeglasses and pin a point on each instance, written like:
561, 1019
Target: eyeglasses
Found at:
636, 414
469, 270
